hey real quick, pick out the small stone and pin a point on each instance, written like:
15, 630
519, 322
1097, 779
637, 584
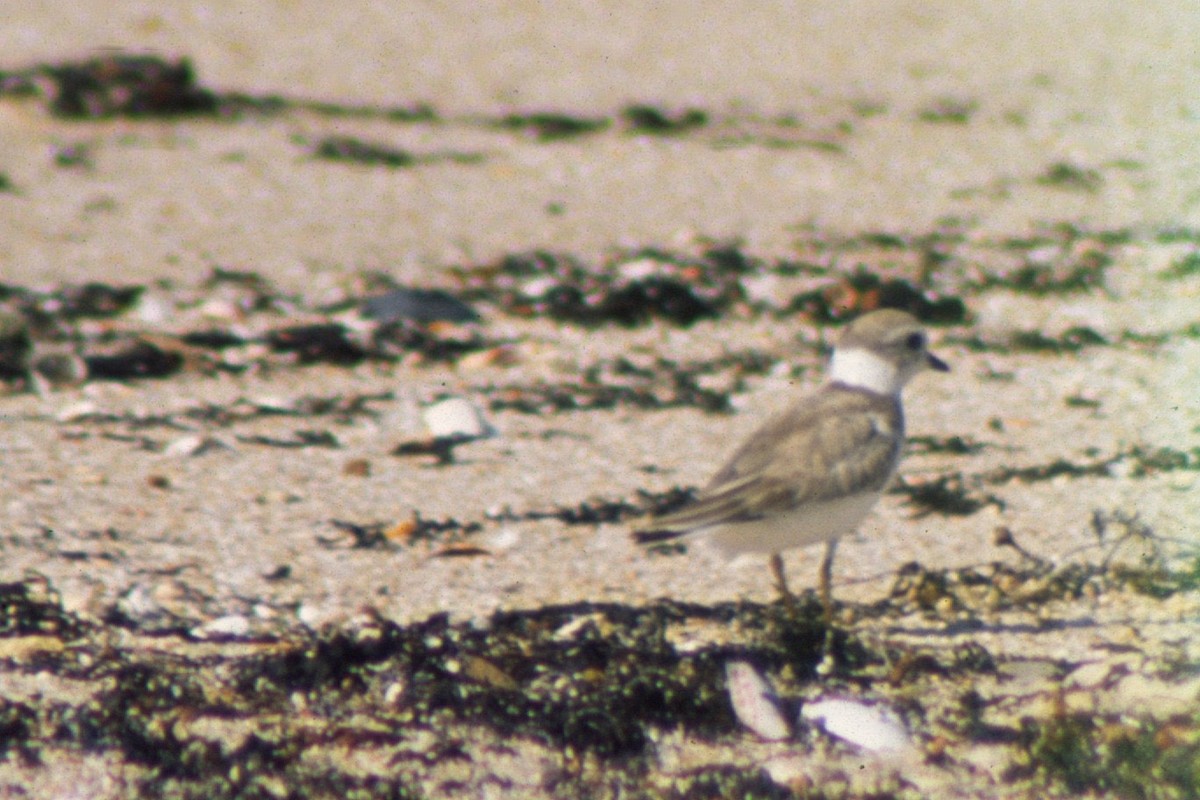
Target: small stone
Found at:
403, 531
61, 369
357, 468
418, 305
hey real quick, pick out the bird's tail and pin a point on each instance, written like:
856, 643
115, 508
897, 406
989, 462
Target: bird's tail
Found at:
654, 535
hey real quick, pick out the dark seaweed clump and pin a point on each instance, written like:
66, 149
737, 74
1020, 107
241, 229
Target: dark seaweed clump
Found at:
548, 126
588, 684
864, 291
126, 85
27, 609
678, 289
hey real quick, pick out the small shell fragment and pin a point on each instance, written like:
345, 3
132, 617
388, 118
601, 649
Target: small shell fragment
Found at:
194, 445
76, 411
874, 727
754, 701
456, 417
232, 626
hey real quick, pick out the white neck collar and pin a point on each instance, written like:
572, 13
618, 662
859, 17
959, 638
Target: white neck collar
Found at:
863, 369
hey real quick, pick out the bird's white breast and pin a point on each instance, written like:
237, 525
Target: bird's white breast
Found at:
808, 524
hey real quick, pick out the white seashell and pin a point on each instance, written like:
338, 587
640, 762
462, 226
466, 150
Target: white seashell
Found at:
231, 626
456, 417
572, 629
869, 726
639, 268
138, 602
393, 695
754, 701
153, 309
194, 445
318, 616
788, 770
76, 411
762, 288
539, 287
184, 446
268, 402
504, 539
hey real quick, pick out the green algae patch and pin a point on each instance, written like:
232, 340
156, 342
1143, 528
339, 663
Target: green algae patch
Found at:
1117, 756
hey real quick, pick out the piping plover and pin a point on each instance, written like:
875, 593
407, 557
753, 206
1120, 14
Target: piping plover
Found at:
813, 472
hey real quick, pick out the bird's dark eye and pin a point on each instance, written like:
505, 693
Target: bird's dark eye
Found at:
915, 341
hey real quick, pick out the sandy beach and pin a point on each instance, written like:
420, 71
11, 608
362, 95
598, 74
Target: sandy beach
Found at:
659, 216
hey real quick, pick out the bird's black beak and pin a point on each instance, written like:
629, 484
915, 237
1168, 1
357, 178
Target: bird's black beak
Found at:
936, 363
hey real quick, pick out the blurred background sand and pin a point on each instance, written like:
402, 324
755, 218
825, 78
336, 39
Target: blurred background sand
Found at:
1110, 86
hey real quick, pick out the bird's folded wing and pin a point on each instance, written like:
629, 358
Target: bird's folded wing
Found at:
816, 452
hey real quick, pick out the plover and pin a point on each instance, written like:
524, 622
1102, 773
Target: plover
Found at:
813, 472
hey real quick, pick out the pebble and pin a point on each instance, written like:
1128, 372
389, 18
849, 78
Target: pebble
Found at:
419, 305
